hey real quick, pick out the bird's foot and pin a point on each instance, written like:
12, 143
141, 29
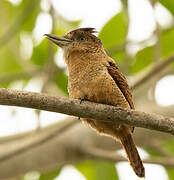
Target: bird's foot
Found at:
81, 100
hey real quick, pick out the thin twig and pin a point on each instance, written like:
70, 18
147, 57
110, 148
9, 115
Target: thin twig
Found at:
158, 68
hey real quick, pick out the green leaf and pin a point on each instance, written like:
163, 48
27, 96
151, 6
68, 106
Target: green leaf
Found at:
8, 10
114, 31
12, 12
167, 46
98, 170
59, 31
8, 63
76, 23
143, 58
62, 26
40, 53
168, 145
61, 81
146, 56
119, 56
49, 175
29, 22
169, 4
170, 173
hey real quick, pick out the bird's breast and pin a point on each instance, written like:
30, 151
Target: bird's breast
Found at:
96, 85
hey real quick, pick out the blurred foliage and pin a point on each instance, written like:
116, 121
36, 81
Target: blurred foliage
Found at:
61, 81
169, 146
169, 4
22, 18
113, 36
143, 58
170, 173
125, 3
146, 56
97, 170
49, 175
9, 63
114, 32
40, 53
167, 47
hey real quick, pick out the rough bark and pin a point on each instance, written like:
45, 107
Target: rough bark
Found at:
91, 110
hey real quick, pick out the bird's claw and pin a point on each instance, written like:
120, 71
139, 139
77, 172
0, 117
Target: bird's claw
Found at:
81, 100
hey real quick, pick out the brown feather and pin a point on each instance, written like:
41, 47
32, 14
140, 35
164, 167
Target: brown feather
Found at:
125, 137
121, 82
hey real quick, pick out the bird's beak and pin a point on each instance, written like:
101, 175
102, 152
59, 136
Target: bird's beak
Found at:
59, 40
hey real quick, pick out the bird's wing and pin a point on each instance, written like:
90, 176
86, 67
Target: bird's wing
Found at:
121, 82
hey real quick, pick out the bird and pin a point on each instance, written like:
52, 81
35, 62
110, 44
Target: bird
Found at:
94, 76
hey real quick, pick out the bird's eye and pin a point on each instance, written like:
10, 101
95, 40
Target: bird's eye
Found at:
82, 38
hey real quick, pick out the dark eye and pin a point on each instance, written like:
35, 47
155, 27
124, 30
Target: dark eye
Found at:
82, 38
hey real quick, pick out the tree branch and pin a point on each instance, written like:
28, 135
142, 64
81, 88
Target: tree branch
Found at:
90, 110
99, 154
159, 67
38, 142
52, 151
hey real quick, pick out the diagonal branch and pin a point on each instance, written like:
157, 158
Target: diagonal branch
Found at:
91, 110
108, 155
158, 68
38, 142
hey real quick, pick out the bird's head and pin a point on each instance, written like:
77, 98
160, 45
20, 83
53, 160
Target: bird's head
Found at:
81, 40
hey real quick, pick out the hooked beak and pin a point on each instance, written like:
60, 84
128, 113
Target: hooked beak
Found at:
59, 40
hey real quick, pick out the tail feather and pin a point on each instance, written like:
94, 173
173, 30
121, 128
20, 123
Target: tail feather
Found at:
132, 154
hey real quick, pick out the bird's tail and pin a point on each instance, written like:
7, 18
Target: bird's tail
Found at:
132, 153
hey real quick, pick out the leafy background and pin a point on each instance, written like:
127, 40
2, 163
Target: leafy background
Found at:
23, 57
